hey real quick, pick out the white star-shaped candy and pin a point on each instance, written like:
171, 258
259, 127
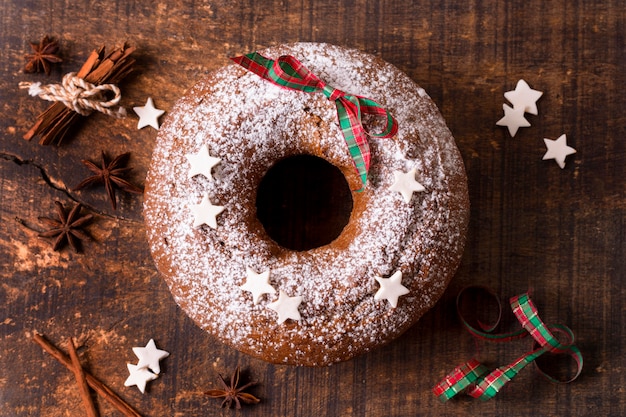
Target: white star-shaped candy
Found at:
138, 376
206, 213
405, 184
391, 288
286, 307
257, 284
202, 163
558, 150
524, 97
513, 119
148, 115
150, 356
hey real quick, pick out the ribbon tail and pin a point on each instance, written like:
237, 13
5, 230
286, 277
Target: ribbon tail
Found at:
355, 136
256, 63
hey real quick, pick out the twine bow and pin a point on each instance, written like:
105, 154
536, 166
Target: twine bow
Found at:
79, 95
475, 378
290, 73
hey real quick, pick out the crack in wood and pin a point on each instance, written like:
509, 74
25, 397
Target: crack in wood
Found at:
44, 175
51, 183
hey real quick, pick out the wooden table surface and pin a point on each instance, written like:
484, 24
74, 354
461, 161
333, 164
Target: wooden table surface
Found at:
559, 232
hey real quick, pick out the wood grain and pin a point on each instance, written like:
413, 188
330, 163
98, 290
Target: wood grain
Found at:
533, 225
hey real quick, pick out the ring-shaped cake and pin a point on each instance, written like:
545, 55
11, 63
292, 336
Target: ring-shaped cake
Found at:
391, 262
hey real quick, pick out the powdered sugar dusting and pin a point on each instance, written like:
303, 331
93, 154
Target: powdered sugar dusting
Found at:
249, 124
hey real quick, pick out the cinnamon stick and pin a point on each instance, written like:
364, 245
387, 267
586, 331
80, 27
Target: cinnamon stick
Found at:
83, 387
94, 383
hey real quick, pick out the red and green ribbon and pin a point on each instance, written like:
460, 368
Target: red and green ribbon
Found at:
290, 73
477, 381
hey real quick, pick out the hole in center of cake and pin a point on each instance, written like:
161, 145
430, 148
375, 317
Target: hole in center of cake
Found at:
303, 202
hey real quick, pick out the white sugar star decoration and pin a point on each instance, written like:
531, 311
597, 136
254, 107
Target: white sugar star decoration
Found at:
150, 356
286, 307
205, 213
558, 150
257, 284
524, 97
202, 163
139, 376
513, 119
391, 288
405, 184
148, 115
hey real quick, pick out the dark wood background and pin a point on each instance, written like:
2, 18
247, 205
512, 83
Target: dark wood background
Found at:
533, 225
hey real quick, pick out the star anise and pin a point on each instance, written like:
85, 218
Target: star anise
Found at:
44, 53
67, 229
110, 174
232, 393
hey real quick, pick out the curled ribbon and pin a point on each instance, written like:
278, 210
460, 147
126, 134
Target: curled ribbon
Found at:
475, 378
290, 73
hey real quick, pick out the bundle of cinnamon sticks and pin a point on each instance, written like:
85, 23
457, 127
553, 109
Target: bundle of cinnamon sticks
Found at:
100, 68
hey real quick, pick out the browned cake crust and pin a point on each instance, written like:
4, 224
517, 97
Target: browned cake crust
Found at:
250, 124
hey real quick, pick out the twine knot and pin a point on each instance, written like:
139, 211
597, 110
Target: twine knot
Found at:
79, 95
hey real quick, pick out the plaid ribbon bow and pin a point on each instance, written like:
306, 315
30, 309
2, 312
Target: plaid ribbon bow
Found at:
290, 73
475, 378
